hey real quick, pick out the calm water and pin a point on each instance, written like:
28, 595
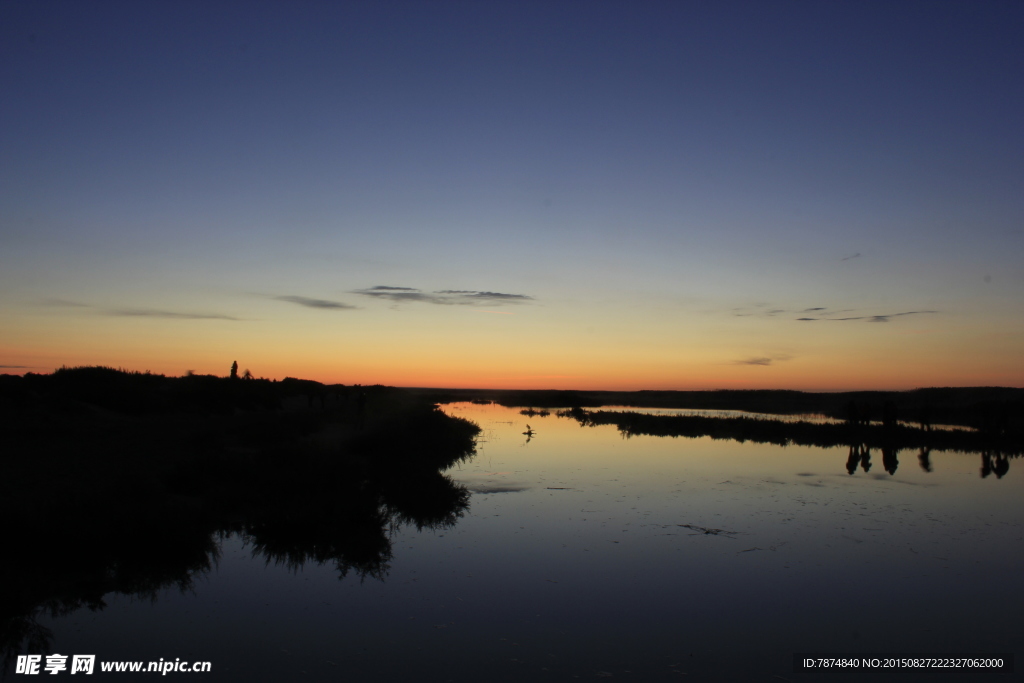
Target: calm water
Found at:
583, 555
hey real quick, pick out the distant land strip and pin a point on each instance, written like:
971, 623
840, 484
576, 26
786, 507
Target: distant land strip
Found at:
802, 433
987, 409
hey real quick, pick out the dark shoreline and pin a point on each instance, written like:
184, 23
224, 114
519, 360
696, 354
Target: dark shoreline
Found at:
883, 437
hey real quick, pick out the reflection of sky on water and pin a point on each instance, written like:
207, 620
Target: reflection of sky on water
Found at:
573, 561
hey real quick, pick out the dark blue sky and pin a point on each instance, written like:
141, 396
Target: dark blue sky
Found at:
590, 154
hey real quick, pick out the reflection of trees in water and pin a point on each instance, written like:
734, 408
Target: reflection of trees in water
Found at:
994, 463
890, 461
857, 435
65, 568
859, 455
291, 504
991, 463
431, 501
1001, 466
350, 527
925, 459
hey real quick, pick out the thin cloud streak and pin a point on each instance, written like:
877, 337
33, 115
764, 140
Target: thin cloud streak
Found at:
763, 360
872, 318
156, 313
316, 303
444, 297
400, 294
137, 312
64, 303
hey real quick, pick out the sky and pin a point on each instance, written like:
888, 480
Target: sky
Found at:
572, 195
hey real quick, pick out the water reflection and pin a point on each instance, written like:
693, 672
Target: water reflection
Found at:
584, 554
925, 459
994, 463
292, 508
633, 506
859, 455
858, 435
890, 461
62, 568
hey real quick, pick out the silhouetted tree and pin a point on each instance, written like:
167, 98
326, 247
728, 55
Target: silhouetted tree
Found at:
247, 374
889, 414
234, 370
925, 417
852, 413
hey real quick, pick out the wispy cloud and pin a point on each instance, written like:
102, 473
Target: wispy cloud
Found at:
448, 297
63, 303
763, 360
137, 312
883, 318
20, 367
315, 303
400, 294
491, 297
157, 313
760, 310
815, 313
819, 313
857, 255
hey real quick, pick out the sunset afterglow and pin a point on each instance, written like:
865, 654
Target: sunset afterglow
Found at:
542, 195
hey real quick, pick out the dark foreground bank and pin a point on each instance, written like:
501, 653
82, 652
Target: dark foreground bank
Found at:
117, 482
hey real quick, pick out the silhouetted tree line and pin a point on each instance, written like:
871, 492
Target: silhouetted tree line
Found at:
138, 393
890, 436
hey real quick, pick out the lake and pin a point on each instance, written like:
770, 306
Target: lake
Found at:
587, 555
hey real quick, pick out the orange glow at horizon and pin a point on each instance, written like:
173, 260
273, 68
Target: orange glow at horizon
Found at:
478, 375
538, 348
